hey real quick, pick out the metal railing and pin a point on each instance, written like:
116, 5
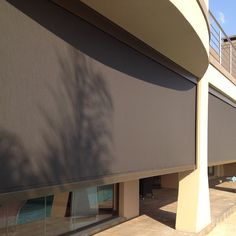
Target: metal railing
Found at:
223, 49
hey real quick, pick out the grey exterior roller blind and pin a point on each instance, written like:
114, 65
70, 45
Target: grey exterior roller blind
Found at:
77, 104
221, 131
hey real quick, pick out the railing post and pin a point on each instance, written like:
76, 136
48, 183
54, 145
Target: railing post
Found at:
230, 58
220, 46
228, 61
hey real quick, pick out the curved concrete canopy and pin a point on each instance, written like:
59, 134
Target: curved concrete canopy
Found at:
175, 30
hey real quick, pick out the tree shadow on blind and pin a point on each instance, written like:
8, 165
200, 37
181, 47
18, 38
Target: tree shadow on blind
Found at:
76, 132
83, 131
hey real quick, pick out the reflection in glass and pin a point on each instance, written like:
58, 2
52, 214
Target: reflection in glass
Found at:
3, 219
105, 197
58, 213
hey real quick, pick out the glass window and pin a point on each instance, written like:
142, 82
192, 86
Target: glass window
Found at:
59, 213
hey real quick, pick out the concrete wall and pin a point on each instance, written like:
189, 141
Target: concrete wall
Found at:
229, 169
152, 22
220, 82
170, 181
196, 19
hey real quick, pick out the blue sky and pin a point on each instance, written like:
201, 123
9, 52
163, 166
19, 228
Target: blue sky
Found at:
225, 13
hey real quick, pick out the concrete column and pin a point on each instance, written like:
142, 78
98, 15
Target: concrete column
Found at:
229, 169
193, 212
129, 199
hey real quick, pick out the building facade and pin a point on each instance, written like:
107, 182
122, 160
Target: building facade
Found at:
98, 96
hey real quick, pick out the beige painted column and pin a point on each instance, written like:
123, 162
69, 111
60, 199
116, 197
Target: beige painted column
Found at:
193, 212
129, 199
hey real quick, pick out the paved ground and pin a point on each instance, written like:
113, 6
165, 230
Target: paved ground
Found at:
158, 215
225, 228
